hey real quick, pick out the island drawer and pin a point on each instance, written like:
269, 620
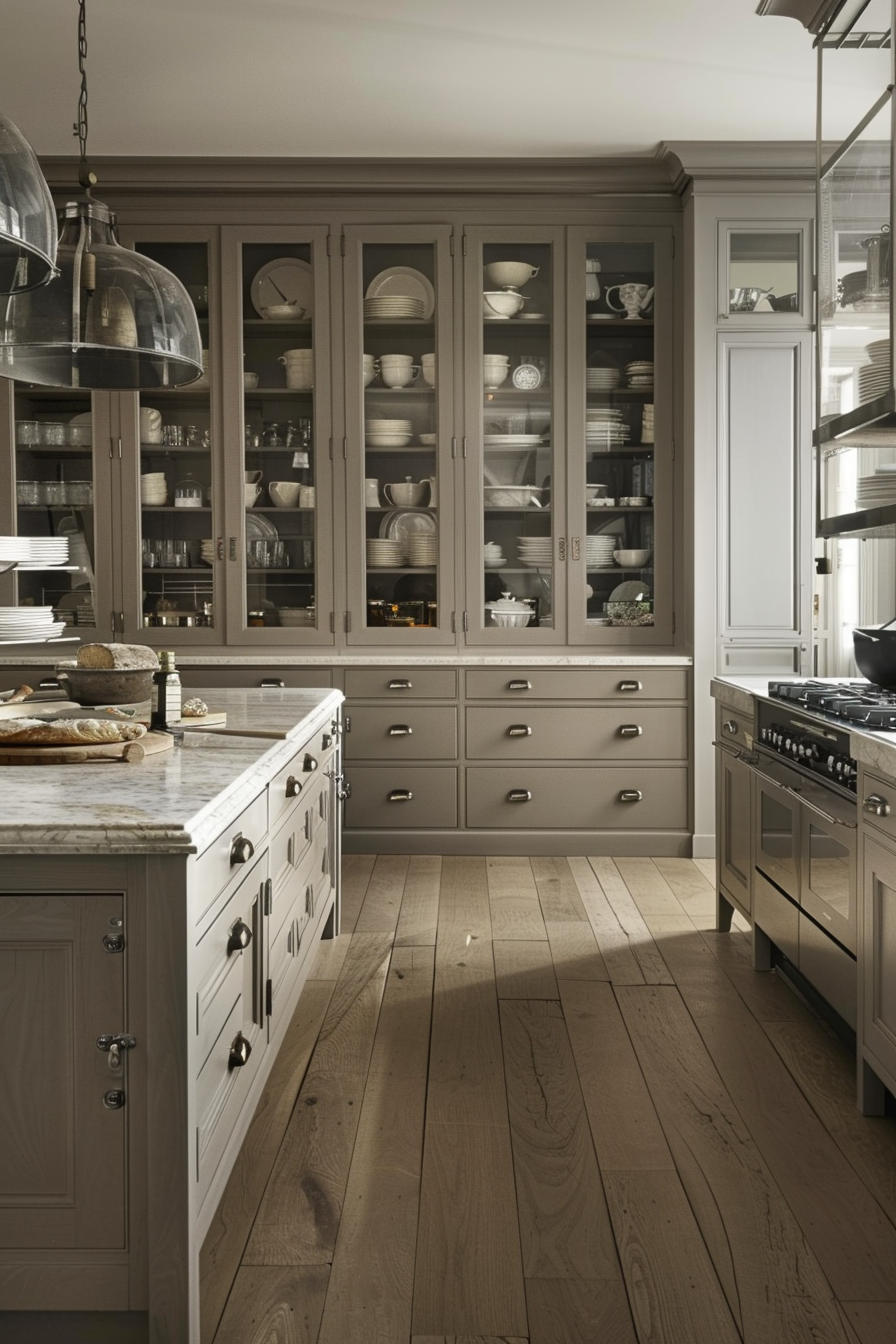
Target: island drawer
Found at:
294, 783
577, 683
404, 734
221, 1088
400, 683
605, 798
581, 733
734, 729
874, 787
401, 796
227, 960
223, 863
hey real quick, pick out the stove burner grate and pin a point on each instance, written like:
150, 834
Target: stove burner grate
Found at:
858, 702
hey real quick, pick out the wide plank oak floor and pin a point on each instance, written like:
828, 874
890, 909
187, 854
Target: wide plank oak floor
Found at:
544, 1102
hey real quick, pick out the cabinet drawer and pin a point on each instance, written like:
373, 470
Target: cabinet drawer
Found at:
400, 683
220, 1094
733, 728
220, 866
578, 734
376, 797
238, 678
406, 734
885, 789
578, 683
225, 972
577, 797
289, 788
292, 887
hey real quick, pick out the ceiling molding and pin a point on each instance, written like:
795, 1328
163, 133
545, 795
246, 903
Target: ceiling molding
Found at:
777, 162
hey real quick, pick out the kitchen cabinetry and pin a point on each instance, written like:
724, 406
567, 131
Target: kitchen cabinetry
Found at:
734, 811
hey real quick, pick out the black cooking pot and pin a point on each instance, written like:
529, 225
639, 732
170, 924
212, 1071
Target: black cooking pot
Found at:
875, 650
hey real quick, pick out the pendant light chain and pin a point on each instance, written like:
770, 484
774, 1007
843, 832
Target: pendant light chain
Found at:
85, 176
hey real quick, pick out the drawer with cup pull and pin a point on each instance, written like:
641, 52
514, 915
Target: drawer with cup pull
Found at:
583, 733
305, 774
401, 796
240, 678
608, 798
225, 861
407, 734
734, 729
228, 958
577, 683
221, 1088
877, 802
408, 683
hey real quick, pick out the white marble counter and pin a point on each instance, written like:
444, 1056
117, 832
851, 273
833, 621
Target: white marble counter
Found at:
172, 802
379, 658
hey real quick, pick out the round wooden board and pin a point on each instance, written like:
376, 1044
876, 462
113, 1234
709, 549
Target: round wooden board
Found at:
129, 752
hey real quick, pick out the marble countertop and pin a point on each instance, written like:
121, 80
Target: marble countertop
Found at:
377, 658
173, 802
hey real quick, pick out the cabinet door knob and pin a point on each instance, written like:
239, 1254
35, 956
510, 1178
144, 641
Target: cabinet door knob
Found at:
630, 796
519, 730
400, 796
240, 936
399, 684
293, 787
310, 763
876, 805
241, 850
240, 1050
519, 796
730, 726
630, 686
519, 685
630, 730
400, 730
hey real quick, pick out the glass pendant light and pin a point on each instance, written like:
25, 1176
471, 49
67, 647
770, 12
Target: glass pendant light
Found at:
112, 319
27, 216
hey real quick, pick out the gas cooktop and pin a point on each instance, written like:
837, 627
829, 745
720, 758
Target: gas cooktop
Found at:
856, 702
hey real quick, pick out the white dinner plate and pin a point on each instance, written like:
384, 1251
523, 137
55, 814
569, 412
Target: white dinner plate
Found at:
400, 523
259, 528
293, 278
403, 282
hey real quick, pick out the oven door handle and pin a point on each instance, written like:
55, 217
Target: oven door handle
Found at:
820, 812
737, 754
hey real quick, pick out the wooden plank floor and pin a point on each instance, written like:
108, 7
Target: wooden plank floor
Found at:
544, 1102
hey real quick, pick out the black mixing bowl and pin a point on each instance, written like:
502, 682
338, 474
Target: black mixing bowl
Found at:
875, 651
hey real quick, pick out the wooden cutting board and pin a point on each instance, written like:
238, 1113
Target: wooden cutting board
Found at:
130, 752
210, 720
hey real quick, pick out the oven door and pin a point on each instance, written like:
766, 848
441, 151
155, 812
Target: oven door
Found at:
828, 888
776, 835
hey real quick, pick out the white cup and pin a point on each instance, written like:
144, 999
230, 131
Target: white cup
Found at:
428, 365
284, 494
150, 425
399, 375
251, 493
306, 497
371, 492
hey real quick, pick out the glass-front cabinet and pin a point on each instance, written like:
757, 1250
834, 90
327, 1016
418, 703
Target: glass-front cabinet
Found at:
400, 442
763, 270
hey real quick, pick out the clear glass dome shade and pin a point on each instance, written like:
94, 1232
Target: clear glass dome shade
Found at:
112, 319
27, 215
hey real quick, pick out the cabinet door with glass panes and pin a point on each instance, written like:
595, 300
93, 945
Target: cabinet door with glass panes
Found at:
56, 556
278, 542
515, 436
169, 514
401, 443
620, 436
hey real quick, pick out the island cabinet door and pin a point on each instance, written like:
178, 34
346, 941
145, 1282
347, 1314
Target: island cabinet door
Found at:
62, 1157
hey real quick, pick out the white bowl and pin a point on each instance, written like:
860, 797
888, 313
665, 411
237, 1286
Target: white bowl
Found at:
513, 273
631, 558
501, 303
428, 440
511, 618
511, 496
283, 312
388, 440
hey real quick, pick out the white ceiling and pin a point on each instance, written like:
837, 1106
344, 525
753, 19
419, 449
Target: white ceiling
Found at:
417, 78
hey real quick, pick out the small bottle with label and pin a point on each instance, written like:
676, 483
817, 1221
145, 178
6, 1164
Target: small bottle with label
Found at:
166, 695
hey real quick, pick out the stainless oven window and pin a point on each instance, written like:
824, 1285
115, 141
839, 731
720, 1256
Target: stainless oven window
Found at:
777, 830
830, 870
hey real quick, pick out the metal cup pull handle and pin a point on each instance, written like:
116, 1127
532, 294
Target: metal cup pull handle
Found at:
240, 936
310, 763
399, 684
400, 796
400, 730
630, 796
519, 730
519, 685
876, 805
241, 850
270, 683
630, 686
519, 796
630, 730
293, 787
240, 1050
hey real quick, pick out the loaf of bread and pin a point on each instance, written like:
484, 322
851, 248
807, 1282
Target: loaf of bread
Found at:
121, 657
66, 732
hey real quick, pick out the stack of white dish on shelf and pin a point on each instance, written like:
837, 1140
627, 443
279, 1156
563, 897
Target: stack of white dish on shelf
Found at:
492, 555
28, 625
605, 427
384, 553
874, 378
388, 433
393, 306
35, 550
647, 423
599, 551
874, 491
602, 379
423, 548
640, 373
207, 550
536, 551
153, 488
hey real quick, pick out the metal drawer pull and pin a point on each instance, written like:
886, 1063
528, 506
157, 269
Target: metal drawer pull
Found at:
293, 787
730, 726
630, 796
519, 796
519, 730
400, 730
241, 850
630, 730
240, 1051
519, 685
400, 796
630, 686
272, 682
399, 685
309, 764
876, 805
240, 936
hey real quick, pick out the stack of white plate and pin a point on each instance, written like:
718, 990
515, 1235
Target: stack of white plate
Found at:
537, 551
640, 373
35, 550
874, 378
874, 491
511, 440
492, 555
605, 428
423, 548
207, 550
393, 306
388, 433
599, 551
33, 625
602, 380
384, 553
647, 423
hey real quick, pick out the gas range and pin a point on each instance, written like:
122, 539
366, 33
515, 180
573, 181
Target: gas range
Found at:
809, 722
859, 703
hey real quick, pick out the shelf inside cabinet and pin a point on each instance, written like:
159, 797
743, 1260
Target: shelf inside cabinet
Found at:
865, 523
253, 394
869, 413
261, 324
630, 325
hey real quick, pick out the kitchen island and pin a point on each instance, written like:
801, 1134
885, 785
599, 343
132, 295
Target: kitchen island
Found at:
159, 920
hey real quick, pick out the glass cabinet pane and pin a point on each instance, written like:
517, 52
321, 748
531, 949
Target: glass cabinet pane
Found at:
764, 271
177, 470
619, 486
